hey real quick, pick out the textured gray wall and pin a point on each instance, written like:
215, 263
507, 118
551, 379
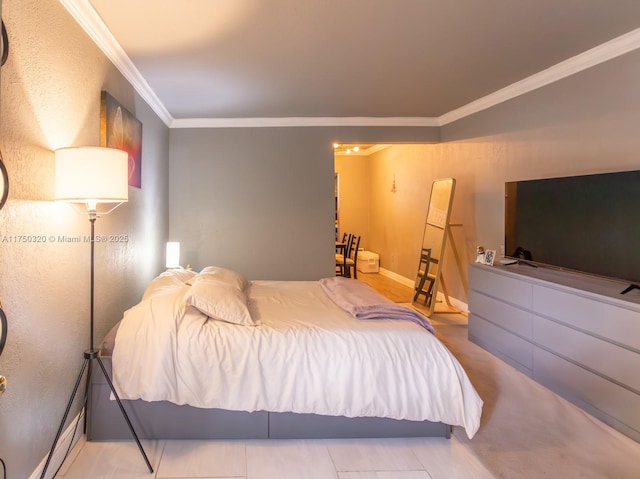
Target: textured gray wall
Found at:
50, 98
586, 123
260, 200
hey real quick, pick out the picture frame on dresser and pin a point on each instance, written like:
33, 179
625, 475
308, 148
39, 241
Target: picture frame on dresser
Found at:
489, 257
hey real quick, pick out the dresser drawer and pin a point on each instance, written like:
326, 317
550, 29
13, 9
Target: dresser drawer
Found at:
518, 293
515, 320
605, 320
619, 364
612, 403
517, 351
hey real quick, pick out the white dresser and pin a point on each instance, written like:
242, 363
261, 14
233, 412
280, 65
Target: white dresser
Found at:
575, 334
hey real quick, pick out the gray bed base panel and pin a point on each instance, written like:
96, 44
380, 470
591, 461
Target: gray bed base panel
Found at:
165, 420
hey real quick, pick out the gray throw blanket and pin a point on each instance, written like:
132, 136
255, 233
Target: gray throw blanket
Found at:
363, 302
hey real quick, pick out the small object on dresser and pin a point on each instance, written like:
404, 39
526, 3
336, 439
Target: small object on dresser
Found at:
489, 257
480, 254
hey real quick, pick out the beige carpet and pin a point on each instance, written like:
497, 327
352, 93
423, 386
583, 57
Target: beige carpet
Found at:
527, 431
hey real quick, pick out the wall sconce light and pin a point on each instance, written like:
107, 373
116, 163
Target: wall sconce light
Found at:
173, 254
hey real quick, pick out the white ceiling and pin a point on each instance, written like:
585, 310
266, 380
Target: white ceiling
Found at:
409, 62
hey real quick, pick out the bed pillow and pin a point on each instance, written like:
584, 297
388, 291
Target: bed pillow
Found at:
168, 281
221, 301
225, 275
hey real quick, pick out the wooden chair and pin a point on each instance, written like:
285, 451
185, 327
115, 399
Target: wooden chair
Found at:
341, 253
341, 245
349, 261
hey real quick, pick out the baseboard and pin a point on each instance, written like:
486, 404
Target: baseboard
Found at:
455, 302
395, 276
66, 443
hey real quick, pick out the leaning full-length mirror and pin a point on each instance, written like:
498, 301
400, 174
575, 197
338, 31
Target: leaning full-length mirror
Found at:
428, 277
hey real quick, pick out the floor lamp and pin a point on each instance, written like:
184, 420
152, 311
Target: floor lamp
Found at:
93, 176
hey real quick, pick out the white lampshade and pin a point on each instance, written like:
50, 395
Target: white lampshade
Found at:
92, 175
173, 254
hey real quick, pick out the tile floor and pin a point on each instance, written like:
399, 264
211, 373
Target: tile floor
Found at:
415, 458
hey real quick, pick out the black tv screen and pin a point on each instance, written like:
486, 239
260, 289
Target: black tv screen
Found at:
588, 223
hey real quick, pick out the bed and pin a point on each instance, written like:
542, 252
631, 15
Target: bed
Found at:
211, 355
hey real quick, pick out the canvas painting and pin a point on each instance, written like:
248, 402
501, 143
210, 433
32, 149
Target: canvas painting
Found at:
120, 129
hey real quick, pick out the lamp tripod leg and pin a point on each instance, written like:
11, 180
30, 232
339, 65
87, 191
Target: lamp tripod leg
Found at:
124, 414
87, 385
88, 356
64, 417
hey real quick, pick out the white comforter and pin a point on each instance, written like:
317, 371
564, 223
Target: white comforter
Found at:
307, 356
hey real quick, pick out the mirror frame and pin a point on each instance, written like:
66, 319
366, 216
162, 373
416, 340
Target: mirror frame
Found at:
4, 188
5, 45
3, 330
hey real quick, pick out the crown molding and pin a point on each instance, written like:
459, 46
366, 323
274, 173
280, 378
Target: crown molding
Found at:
87, 17
614, 48
302, 121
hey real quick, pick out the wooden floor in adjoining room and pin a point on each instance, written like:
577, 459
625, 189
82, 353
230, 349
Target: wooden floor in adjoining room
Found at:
392, 289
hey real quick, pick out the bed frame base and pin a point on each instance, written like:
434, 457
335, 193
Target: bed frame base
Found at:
165, 420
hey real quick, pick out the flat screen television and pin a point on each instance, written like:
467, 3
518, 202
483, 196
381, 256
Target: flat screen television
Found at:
588, 223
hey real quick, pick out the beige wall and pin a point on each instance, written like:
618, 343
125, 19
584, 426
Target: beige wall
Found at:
354, 195
398, 216
50, 98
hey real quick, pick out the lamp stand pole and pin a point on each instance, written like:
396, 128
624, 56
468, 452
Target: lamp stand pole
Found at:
89, 355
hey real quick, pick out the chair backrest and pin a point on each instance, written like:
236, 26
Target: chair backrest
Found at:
347, 245
353, 247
